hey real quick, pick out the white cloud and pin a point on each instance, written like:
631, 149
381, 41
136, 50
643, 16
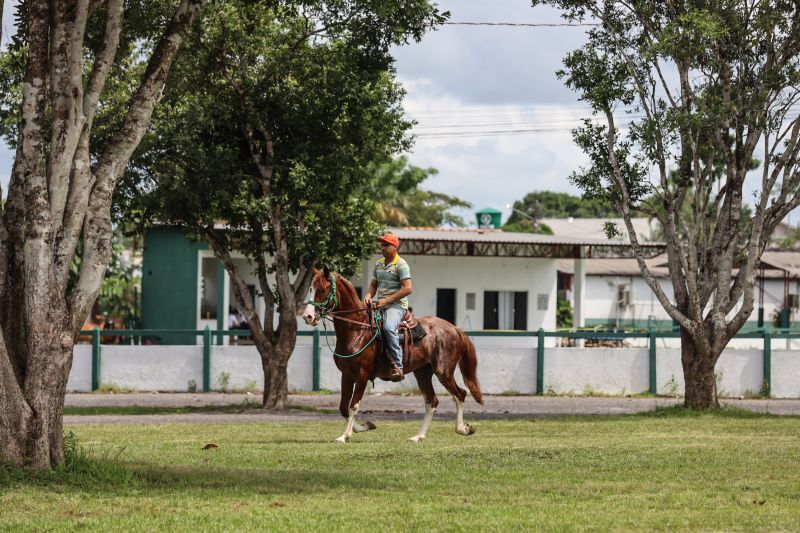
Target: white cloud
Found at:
491, 170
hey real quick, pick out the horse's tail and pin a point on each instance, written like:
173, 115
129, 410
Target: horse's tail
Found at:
469, 367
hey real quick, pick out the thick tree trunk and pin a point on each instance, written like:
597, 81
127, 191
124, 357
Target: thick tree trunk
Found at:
31, 422
275, 363
39, 314
276, 383
698, 374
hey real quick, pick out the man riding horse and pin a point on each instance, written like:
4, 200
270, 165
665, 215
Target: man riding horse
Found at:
391, 282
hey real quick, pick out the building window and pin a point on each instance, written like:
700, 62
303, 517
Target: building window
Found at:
542, 302
505, 310
470, 301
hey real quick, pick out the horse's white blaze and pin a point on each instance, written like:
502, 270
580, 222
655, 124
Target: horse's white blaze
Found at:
348, 432
310, 313
426, 422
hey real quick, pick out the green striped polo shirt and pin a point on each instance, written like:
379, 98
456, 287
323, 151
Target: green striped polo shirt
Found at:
389, 277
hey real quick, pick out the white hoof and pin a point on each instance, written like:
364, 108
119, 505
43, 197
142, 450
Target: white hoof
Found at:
341, 440
417, 438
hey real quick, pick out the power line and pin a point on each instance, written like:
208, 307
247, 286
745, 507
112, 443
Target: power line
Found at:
522, 24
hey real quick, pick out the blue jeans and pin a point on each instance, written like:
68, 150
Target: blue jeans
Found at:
393, 315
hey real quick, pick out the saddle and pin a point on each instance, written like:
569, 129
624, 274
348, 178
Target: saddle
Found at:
410, 331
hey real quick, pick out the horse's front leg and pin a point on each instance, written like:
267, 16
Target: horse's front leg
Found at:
358, 393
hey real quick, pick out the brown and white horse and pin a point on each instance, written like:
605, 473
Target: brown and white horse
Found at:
358, 354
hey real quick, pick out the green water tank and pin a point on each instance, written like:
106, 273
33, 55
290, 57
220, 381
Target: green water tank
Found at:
489, 218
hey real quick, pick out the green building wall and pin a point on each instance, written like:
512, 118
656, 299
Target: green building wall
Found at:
169, 284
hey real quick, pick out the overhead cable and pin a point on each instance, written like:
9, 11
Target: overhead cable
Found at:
523, 24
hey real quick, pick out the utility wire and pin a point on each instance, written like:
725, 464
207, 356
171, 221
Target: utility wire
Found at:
522, 24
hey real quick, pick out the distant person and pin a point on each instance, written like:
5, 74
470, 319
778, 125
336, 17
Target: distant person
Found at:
242, 321
233, 322
233, 318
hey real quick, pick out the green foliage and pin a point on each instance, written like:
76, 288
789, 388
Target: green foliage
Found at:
527, 226
319, 104
548, 204
144, 23
741, 73
563, 313
400, 201
118, 293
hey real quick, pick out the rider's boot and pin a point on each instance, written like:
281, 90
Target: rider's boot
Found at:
396, 374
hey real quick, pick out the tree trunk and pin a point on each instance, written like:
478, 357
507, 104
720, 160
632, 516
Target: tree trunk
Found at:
276, 383
698, 374
31, 427
275, 362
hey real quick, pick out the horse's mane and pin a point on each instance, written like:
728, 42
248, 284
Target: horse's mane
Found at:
346, 283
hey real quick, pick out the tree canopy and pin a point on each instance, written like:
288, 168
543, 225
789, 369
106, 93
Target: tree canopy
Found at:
549, 204
527, 213
265, 145
401, 202
699, 88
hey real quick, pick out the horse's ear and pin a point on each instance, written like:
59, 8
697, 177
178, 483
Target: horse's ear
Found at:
315, 271
326, 271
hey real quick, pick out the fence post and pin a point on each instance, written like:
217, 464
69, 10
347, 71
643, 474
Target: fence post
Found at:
540, 362
767, 385
315, 358
653, 380
207, 360
95, 358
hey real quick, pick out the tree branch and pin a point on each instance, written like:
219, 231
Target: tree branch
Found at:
82, 179
66, 87
111, 164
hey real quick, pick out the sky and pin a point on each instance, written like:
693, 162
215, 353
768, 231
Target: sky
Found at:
465, 83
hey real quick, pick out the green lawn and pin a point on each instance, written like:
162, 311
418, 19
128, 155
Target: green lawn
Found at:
727, 471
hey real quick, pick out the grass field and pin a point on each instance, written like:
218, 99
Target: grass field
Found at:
729, 471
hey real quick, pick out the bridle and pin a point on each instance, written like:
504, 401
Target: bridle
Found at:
332, 300
328, 307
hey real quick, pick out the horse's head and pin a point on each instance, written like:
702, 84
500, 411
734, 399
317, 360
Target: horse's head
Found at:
322, 296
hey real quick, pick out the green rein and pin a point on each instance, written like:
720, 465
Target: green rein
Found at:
324, 310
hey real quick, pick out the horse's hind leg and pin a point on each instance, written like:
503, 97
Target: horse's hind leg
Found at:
352, 411
424, 376
459, 395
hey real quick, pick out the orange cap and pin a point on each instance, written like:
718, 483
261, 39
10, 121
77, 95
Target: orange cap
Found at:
390, 238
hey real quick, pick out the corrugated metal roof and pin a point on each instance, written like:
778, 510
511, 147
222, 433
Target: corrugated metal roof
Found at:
503, 237
615, 267
594, 228
788, 261
775, 263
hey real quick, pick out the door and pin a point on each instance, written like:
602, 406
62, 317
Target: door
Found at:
446, 304
491, 304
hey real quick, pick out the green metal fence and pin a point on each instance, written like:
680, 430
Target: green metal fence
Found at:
207, 335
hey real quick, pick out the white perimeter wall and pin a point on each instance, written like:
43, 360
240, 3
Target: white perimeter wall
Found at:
505, 365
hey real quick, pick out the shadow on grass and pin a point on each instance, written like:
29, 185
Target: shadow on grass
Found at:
106, 475
242, 407
680, 411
